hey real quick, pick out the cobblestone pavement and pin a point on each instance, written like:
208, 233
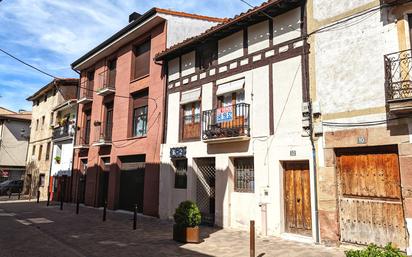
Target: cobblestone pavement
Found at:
31, 229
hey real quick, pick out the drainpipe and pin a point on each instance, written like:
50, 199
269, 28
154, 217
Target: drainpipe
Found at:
305, 63
74, 139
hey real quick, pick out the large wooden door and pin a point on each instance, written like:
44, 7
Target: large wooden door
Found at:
298, 216
370, 197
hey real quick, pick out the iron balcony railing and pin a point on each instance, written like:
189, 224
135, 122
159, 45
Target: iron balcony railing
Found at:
83, 137
229, 121
398, 75
103, 134
63, 131
106, 81
86, 90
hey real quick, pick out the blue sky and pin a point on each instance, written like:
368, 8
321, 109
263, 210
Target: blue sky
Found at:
51, 34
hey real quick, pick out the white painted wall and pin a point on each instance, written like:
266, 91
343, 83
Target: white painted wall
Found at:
188, 63
65, 151
13, 148
174, 69
230, 47
325, 9
350, 66
180, 28
286, 26
258, 36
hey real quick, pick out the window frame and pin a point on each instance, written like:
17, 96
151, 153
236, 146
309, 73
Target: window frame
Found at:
136, 117
139, 100
193, 122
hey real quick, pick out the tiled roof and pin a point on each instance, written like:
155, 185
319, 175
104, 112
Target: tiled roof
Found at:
137, 22
222, 26
190, 15
47, 87
17, 116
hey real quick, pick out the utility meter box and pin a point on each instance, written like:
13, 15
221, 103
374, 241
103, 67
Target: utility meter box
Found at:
264, 195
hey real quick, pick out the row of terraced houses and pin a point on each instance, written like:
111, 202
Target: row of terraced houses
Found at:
295, 114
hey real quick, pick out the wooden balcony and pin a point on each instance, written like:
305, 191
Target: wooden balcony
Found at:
398, 74
226, 124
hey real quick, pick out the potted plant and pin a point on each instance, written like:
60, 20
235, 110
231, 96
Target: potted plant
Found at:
187, 220
57, 159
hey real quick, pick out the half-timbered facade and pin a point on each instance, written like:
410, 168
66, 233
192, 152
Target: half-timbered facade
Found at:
235, 139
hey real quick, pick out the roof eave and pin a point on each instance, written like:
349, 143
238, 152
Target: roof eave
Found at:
191, 42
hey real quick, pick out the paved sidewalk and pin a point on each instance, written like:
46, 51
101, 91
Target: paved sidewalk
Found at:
30, 229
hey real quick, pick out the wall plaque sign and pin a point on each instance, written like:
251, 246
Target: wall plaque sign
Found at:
178, 152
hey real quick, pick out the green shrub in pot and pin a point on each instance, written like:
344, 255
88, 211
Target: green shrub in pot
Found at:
187, 215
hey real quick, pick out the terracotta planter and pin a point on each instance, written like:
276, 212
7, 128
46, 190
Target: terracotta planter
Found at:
186, 235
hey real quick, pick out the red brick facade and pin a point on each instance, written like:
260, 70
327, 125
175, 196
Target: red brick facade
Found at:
123, 144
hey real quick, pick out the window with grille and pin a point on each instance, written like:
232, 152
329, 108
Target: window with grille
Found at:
244, 175
181, 174
141, 62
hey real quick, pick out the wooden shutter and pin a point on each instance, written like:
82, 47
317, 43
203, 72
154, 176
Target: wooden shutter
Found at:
142, 60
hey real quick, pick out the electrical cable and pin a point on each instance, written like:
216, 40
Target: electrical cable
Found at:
27, 64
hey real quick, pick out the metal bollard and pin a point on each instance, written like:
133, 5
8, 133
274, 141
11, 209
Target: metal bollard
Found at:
61, 201
19, 195
104, 210
252, 238
135, 217
48, 198
38, 196
9, 194
77, 205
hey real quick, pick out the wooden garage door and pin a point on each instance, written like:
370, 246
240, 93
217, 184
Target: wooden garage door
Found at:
370, 197
298, 217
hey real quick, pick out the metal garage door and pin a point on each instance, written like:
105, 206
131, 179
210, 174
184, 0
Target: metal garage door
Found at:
370, 200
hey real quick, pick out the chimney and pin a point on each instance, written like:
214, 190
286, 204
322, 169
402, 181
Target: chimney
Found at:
134, 16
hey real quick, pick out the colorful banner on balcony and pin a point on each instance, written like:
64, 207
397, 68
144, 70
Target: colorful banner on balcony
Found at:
224, 114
